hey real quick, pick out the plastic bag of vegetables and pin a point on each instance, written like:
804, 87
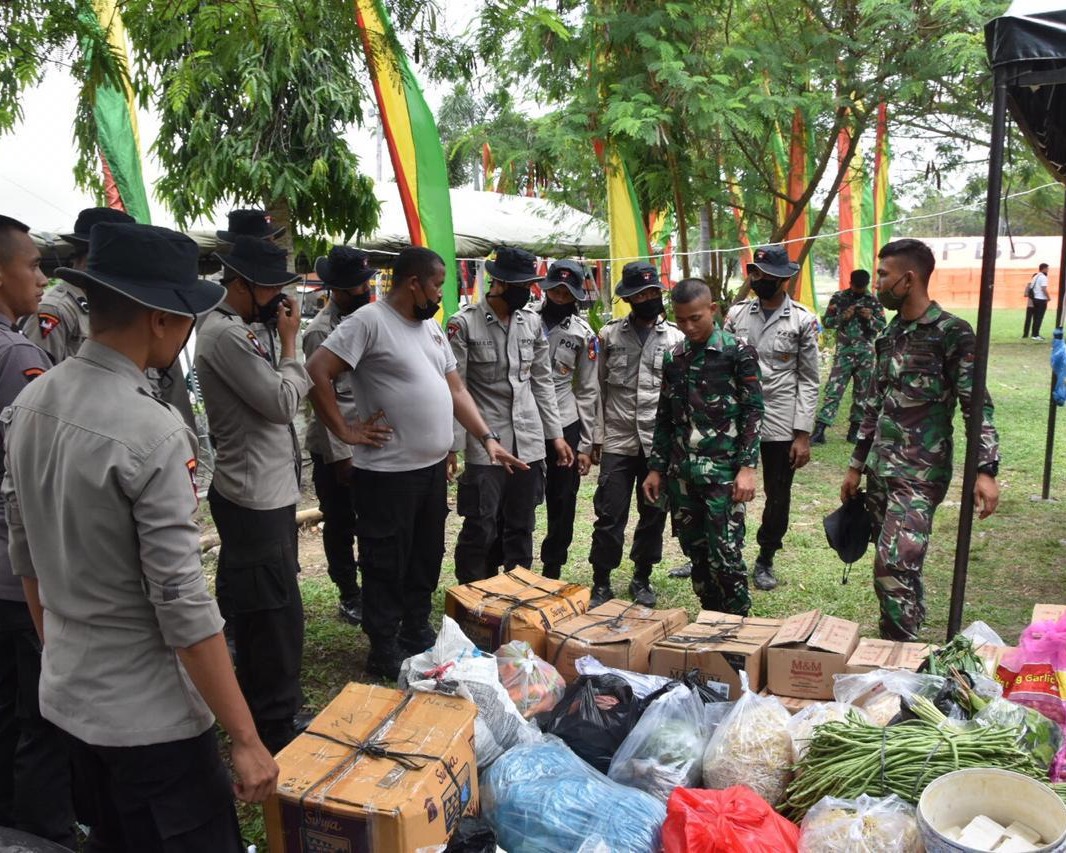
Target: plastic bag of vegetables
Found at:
541, 798
665, 748
751, 747
534, 684
865, 825
728, 821
801, 726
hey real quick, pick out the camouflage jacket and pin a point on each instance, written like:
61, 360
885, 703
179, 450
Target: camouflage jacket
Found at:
923, 367
710, 410
856, 333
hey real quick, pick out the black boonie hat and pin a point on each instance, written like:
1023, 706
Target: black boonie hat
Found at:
637, 276
249, 223
848, 529
860, 277
345, 268
259, 262
773, 260
154, 266
89, 217
513, 266
568, 274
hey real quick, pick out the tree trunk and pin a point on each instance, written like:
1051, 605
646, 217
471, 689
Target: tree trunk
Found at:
705, 242
278, 210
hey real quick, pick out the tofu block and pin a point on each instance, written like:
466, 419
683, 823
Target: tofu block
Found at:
1025, 831
1015, 844
982, 833
952, 833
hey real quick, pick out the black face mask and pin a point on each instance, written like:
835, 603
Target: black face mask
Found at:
555, 312
515, 296
268, 313
647, 310
766, 288
358, 301
427, 311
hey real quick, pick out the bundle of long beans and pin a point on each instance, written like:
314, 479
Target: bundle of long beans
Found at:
846, 759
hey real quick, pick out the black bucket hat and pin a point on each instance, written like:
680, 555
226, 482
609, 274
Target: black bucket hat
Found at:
848, 530
637, 276
258, 262
773, 260
568, 274
513, 266
345, 268
860, 278
154, 266
89, 217
249, 223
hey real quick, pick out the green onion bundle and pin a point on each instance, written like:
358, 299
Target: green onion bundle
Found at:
847, 759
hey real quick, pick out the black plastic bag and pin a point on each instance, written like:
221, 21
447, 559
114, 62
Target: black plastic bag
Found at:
594, 731
474, 835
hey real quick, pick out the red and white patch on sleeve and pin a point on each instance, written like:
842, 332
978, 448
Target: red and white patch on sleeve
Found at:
452, 330
190, 466
594, 349
47, 323
258, 347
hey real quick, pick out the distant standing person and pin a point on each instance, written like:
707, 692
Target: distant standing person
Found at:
706, 447
785, 334
1040, 300
925, 364
346, 274
406, 385
858, 318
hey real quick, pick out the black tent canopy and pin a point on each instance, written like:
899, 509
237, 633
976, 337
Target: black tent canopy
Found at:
1027, 52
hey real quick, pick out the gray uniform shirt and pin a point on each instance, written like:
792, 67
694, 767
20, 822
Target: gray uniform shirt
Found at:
61, 323
573, 350
509, 376
787, 343
100, 505
320, 440
631, 375
21, 361
250, 408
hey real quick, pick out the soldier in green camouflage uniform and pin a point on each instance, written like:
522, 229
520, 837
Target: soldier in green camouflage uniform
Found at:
857, 317
706, 445
924, 365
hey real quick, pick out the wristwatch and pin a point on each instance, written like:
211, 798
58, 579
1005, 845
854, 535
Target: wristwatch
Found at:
495, 436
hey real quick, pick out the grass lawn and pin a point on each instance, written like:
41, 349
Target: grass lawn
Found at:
1016, 556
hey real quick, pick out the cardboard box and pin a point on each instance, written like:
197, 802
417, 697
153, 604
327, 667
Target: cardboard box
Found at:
720, 646
515, 605
886, 654
808, 650
333, 796
618, 633
791, 703
1047, 612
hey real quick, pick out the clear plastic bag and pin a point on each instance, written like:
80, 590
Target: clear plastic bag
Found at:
865, 825
642, 685
879, 692
801, 727
541, 798
533, 684
665, 748
751, 747
456, 667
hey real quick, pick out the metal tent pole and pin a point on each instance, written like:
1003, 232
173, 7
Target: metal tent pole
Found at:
980, 367
1049, 448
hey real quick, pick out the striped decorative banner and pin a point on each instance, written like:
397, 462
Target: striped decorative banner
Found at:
117, 136
414, 145
629, 240
856, 214
883, 203
792, 174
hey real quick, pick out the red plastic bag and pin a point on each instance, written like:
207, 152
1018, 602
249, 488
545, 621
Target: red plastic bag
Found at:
729, 821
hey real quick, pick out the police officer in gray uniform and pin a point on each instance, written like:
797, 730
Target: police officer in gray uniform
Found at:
630, 373
501, 352
572, 350
61, 322
785, 334
346, 273
251, 403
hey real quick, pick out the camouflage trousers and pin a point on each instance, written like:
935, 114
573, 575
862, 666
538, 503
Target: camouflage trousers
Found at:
710, 529
903, 521
849, 365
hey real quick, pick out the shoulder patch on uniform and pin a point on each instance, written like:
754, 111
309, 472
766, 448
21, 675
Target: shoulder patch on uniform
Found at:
190, 466
32, 373
83, 303
257, 345
452, 330
47, 323
594, 348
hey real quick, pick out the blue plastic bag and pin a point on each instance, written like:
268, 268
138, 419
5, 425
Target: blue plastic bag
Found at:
542, 798
1058, 364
